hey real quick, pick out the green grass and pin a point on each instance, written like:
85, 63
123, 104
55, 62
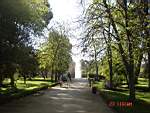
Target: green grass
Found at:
143, 91
32, 86
141, 105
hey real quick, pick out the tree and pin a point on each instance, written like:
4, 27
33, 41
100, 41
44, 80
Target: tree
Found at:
18, 21
55, 54
28, 64
120, 25
91, 43
94, 22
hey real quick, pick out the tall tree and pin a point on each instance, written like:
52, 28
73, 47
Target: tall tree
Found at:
125, 25
55, 54
18, 21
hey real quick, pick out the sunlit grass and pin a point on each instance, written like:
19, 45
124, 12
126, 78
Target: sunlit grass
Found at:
142, 104
30, 85
142, 82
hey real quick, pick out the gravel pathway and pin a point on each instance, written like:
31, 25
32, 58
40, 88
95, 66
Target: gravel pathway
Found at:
75, 99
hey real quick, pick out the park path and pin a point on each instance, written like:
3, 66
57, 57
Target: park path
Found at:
76, 99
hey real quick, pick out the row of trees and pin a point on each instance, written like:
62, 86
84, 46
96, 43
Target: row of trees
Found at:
19, 21
55, 54
117, 31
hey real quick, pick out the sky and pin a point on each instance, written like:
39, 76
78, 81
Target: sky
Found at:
68, 12
65, 10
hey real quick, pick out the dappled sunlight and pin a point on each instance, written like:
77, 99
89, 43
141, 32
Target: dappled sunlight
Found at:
62, 94
75, 99
81, 111
75, 85
72, 105
71, 88
60, 88
74, 56
56, 98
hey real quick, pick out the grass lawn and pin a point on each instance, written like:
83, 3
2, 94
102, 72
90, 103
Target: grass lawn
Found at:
22, 89
141, 105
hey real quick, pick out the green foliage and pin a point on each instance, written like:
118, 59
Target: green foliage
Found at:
141, 105
55, 53
123, 26
19, 20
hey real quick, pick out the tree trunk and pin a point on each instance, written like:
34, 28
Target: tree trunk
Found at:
109, 51
149, 69
131, 83
130, 54
109, 56
56, 74
24, 78
138, 67
1, 80
126, 76
96, 65
111, 72
96, 71
12, 81
52, 75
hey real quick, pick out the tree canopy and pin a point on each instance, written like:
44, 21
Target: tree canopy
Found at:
123, 27
19, 20
55, 53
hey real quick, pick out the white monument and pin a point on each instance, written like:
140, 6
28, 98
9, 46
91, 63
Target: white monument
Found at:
78, 69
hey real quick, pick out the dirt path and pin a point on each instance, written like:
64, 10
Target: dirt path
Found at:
76, 99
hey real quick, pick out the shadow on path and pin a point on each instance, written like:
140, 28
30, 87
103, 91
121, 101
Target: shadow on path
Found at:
75, 99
